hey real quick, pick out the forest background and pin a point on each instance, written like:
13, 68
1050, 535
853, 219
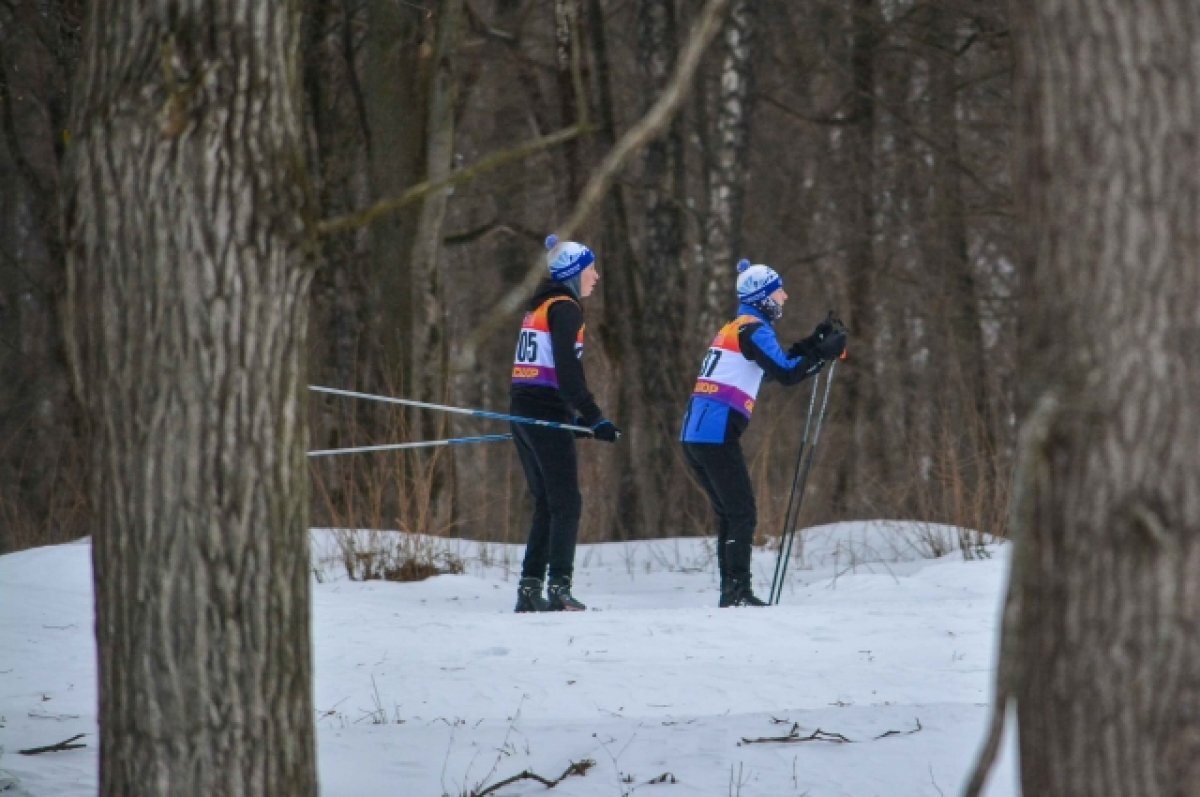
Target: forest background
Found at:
860, 147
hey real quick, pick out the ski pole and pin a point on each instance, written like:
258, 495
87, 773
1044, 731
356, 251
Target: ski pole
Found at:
781, 564
452, 441
787, 515
496, 416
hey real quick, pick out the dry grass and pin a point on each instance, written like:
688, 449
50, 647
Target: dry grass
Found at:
54, 511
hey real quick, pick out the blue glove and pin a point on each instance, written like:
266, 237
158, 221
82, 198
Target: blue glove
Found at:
606, 430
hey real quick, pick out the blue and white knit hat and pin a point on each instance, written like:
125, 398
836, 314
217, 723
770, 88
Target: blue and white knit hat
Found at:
567, 259
756, 282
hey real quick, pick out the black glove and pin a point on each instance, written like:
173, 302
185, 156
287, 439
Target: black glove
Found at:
606, 430
832, 346
827, 342
803, 348
807, 347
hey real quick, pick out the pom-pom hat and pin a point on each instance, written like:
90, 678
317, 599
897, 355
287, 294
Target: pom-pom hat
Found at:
756, 282
567, 259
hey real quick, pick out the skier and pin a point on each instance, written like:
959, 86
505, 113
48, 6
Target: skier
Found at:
744, 352
548, 383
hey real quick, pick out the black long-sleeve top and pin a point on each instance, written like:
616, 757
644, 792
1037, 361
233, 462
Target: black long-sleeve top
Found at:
572, 398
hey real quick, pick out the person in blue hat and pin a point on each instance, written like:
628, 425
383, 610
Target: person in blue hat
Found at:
744, 352
548, 383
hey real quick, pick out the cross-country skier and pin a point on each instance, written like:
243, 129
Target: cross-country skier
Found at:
548, 383
744, 352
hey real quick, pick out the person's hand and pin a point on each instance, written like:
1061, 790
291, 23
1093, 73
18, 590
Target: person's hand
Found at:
827, 342
803, 348
832, 346
606, 430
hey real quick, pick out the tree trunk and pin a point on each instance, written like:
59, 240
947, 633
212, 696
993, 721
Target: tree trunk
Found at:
962, 360
663, 380
427, 339
568, 62
1108, 565
186, 207
619, 286
858, 224
398, 61
40, 472
726, 170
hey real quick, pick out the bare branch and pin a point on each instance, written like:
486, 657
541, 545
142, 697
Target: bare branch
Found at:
58, 747
917, 728
576, 768
794, 736
362, 218
648, 127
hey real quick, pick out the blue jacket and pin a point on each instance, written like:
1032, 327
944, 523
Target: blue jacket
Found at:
709, 421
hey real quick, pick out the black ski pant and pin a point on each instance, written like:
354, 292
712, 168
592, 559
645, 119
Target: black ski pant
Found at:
548, 459
721, 470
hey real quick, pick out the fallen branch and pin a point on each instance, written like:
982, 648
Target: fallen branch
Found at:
576, 768
819, 735
65, 744
794, 736
885, 734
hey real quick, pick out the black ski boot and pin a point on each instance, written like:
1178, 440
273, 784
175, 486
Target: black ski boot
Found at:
529, 596
737, 592
560, 597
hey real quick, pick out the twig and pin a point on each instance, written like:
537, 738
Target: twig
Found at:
794, 736
65, 744
575, 768
917, 729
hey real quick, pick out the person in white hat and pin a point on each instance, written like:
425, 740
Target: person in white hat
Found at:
744, 351
548, 383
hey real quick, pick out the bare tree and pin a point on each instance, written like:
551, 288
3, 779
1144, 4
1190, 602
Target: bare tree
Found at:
864, 452
727, 166
397, 60
1106, 579
186, 208
877, 177
40, 471
663, 380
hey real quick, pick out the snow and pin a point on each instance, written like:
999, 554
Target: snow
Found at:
438, 688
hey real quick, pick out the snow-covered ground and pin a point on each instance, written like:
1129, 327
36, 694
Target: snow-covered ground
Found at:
437, 688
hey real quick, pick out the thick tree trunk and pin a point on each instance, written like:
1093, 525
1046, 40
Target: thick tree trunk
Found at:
1109, 534
185, 210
